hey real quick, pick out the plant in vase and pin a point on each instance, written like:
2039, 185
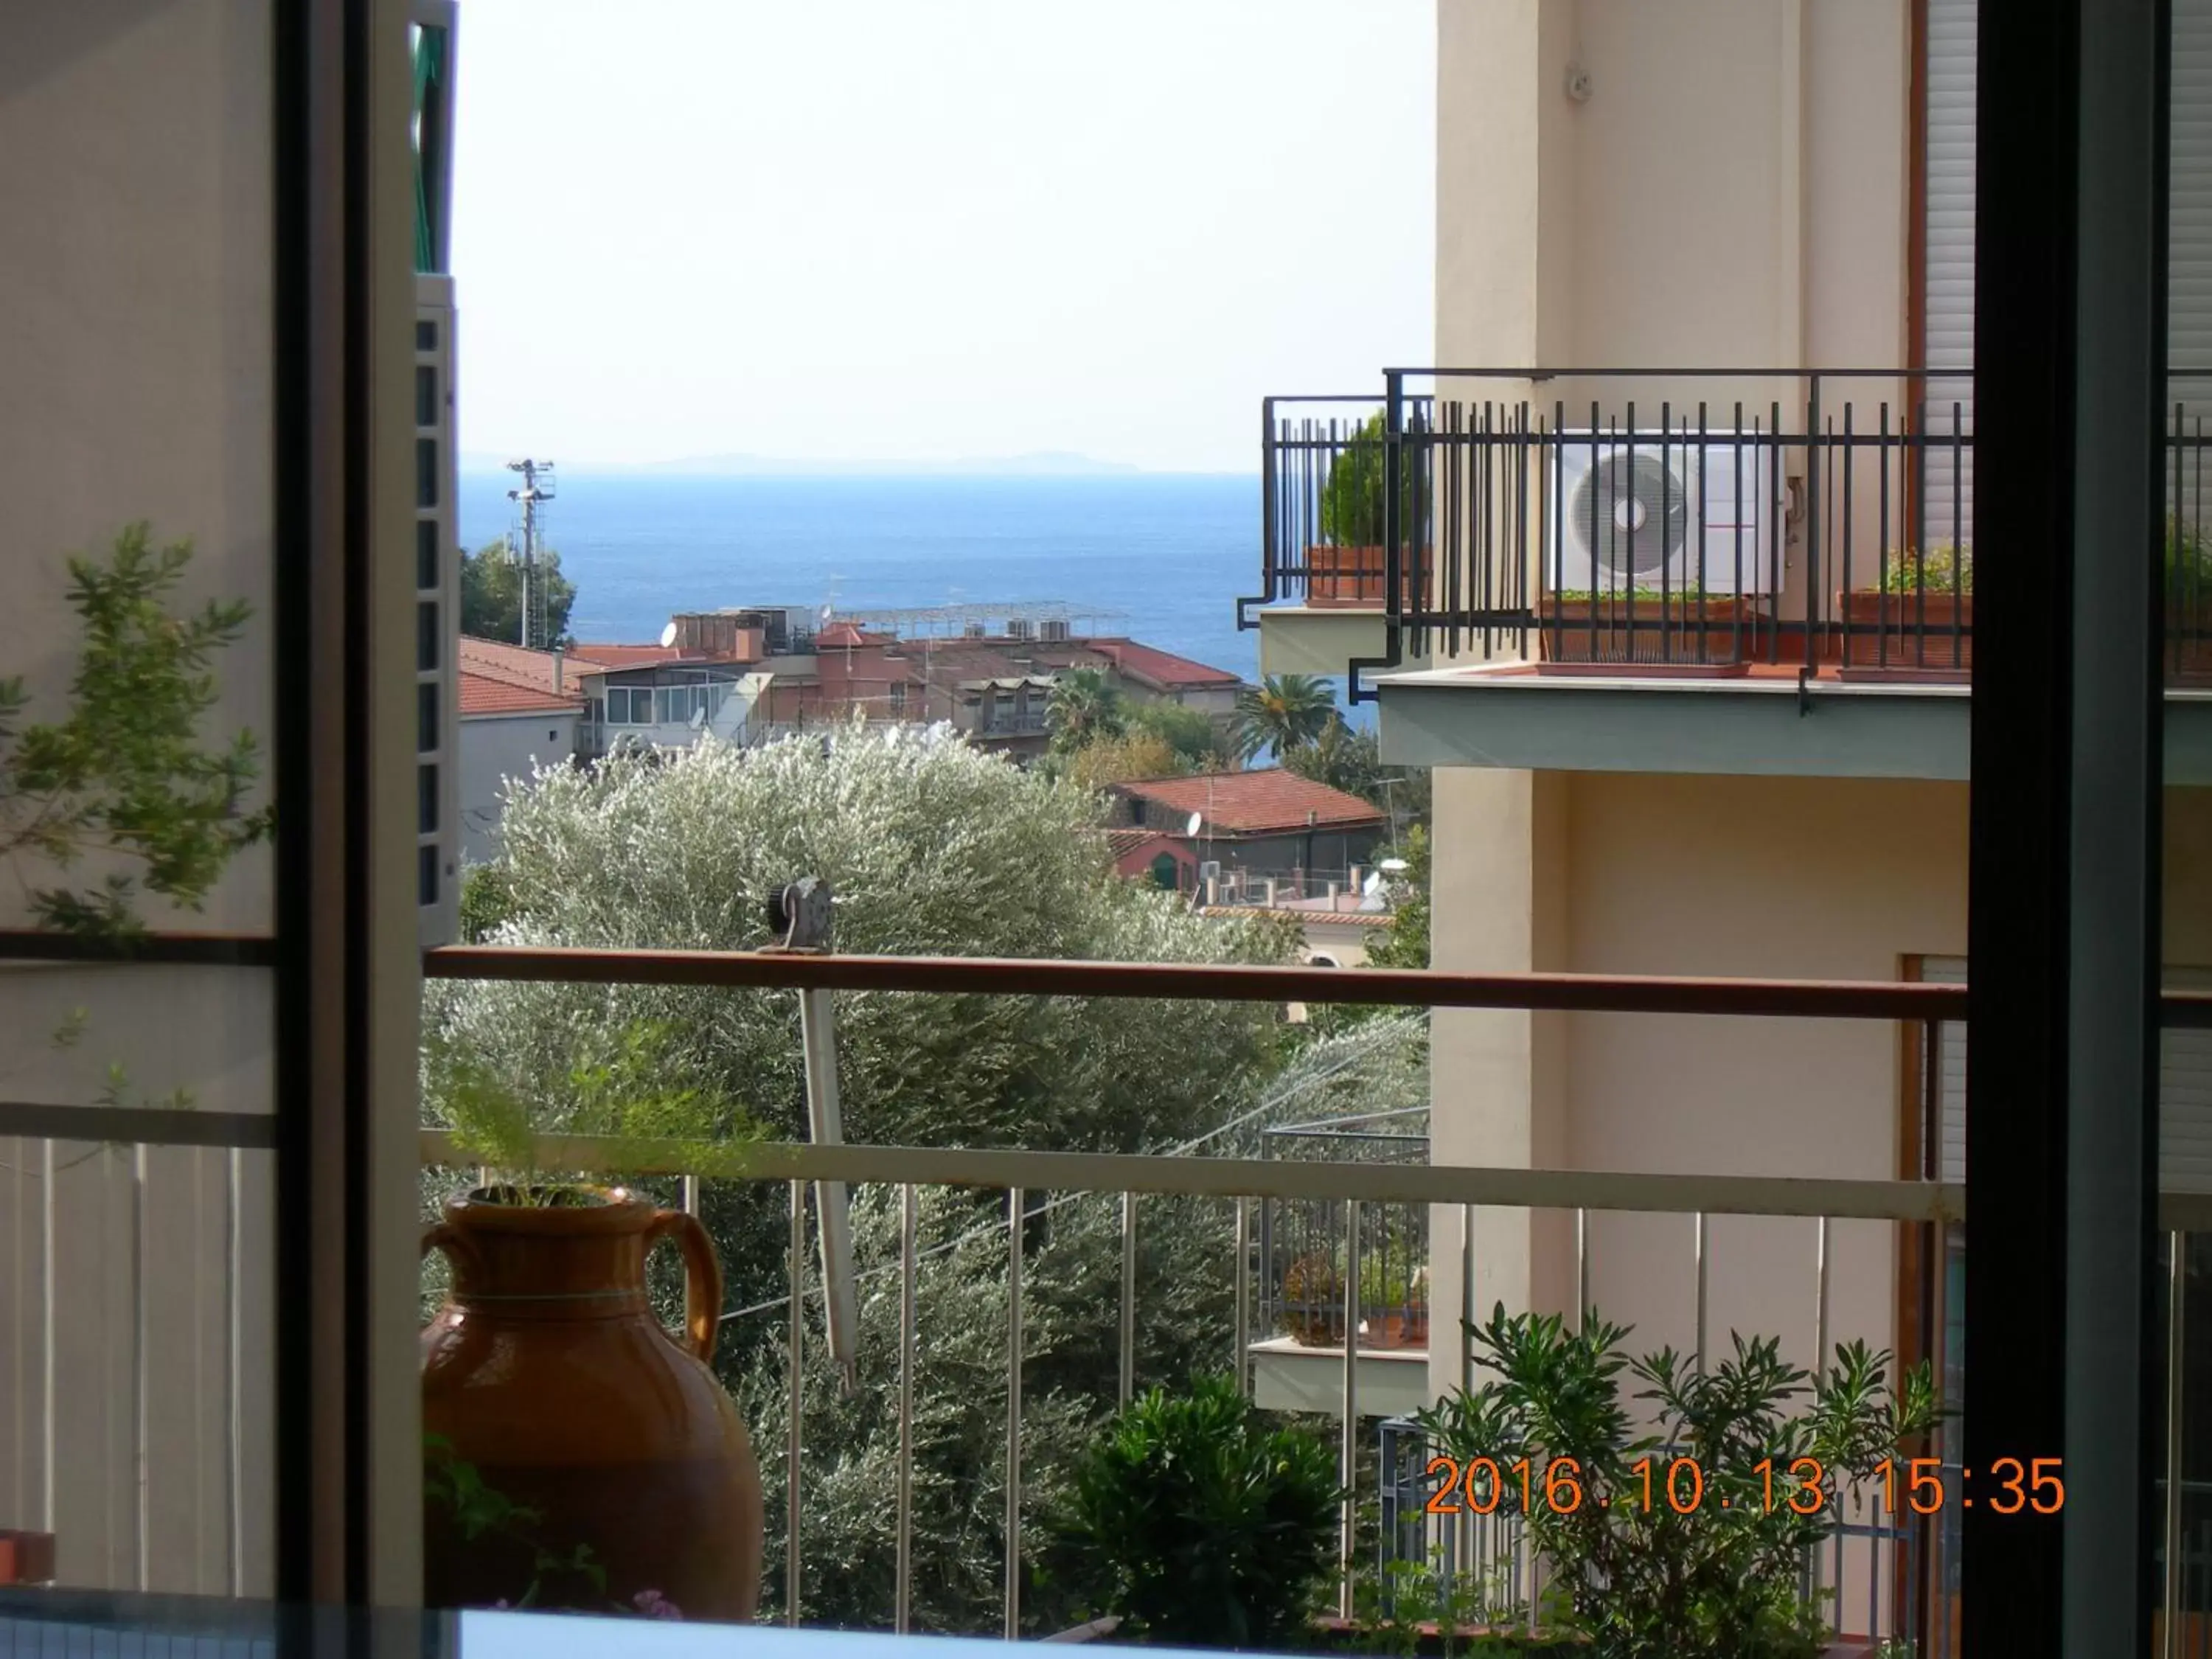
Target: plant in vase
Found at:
612, 1437
1918, 614
1399, 1298
1313, 1299
2187, 573
1682, 623
1347, 566
1200, 1525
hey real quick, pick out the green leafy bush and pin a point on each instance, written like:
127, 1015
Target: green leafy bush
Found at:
1721, 1581
1206, 1527
1942, 570
1352, 500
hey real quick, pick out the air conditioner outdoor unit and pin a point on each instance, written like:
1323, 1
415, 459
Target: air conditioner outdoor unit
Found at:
1675, 515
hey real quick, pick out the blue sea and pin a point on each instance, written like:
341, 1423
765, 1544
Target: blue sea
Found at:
1158, 556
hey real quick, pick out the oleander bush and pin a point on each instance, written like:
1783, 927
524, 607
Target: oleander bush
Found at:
1712, 1568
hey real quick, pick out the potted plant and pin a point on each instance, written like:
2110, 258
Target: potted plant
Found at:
1401, 1320
547, 1375
2188, 577
1348, 566
1918, 618
1313, 1300
1641, 626
1706, 1561
1199, 1525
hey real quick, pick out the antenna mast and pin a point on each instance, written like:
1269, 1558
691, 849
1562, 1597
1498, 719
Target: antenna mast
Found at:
537, 488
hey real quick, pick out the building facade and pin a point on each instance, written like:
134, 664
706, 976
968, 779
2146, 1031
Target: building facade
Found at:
1739, 747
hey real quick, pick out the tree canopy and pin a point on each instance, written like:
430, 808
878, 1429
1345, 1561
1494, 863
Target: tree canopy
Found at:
930, 847
1281, 712
1085, 708
491, 595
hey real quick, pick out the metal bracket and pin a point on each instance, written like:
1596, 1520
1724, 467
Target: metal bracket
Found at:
801, 913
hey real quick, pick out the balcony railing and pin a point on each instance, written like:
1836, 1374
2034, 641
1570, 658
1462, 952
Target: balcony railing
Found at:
1352, 1188
1301, 1258
45, 1328
1700, 521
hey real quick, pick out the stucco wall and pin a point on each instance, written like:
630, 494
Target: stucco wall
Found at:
1731, 192
1791, 877
494, 749
1823, 878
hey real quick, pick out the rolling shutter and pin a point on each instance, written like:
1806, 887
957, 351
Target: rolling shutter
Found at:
2189, 231
1947, 340
2184, 1089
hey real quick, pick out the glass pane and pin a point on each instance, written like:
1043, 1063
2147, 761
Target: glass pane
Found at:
136, 1317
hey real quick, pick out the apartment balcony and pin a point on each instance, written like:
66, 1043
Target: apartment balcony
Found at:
1358, 1192
1306, 1299
1698, 571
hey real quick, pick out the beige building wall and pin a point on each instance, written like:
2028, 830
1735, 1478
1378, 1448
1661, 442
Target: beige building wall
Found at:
496, 748
1740, 877
1780, 877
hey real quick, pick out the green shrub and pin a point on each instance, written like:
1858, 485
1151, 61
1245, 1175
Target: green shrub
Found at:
1723, 1580
1204, 1526
1352, 499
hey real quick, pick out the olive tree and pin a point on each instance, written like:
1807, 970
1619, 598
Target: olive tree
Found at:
932, 847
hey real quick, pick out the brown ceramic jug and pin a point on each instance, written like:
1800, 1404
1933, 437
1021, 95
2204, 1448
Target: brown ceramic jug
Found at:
547, 1372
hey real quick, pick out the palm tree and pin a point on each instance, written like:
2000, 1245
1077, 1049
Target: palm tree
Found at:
1085, 707
1283, 712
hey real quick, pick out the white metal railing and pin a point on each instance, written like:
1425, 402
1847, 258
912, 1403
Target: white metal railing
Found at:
1823, 1202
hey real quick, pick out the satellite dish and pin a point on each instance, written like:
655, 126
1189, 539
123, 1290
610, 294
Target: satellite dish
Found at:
1395, 867
1197, 823
668, 634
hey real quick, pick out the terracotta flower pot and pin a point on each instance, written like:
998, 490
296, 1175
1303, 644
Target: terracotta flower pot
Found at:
1908, 632
2189, 641
1654, 632
1356, 577
547, 1371
1400, 1328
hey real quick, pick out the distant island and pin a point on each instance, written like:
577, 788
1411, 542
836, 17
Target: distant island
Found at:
1054, 463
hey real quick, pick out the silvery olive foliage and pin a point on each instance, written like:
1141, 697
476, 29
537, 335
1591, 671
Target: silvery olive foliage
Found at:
932, 847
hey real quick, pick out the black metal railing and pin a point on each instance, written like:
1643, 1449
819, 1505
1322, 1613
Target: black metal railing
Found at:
1303, 1241
1700, 521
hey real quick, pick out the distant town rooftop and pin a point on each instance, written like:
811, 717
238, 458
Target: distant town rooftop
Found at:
1266, 801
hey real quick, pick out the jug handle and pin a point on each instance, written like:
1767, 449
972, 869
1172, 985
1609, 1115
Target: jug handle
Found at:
460, 1249
702, 1277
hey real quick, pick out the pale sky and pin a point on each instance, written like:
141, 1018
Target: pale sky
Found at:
934, 229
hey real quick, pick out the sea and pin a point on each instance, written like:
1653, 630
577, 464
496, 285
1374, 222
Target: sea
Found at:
1160, 557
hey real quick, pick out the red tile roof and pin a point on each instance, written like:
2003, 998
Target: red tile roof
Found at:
487, 693
1162, 668
519, 665
1267, 801
838, 634
628, 656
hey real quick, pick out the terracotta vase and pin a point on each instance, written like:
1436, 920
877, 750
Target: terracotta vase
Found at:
1909, 633
547, 1371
